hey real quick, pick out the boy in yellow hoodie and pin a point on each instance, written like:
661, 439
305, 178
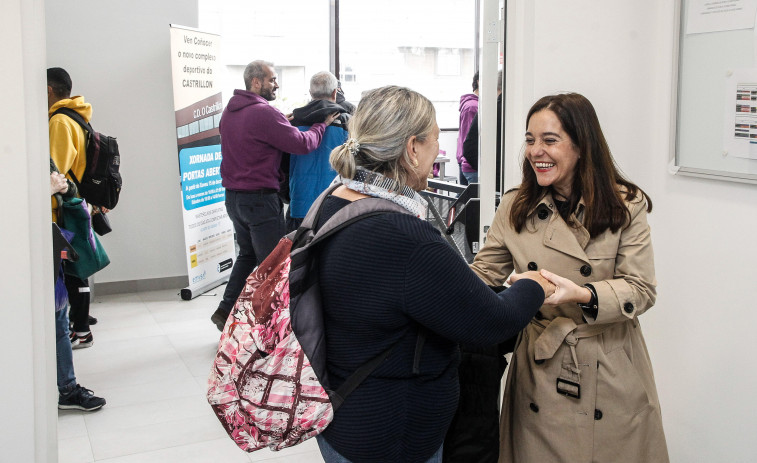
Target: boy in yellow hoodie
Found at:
68, 153
68, 150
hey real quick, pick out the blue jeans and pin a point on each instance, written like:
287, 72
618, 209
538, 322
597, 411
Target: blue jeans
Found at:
332, 456
472, 177
63, 354
259, 225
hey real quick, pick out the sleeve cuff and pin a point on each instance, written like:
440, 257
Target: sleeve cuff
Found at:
616, 301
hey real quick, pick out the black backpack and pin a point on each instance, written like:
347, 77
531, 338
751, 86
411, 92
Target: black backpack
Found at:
101, 183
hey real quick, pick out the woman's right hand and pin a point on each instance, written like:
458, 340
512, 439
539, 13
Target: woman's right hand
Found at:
546, 285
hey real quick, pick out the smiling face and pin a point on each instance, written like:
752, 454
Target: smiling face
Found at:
550, 152
267, 86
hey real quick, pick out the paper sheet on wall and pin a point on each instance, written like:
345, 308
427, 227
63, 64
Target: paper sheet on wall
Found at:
740, 136
720, 15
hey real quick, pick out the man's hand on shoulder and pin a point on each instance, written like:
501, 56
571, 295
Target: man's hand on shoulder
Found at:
330, 118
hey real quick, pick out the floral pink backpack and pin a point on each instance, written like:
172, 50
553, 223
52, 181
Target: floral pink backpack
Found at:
268, 385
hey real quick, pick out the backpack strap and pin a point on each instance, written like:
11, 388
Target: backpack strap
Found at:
347, 215
75, 116
79, 120
419, 342
354, 380
314, 213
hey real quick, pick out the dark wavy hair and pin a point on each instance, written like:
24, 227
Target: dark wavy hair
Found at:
597, 177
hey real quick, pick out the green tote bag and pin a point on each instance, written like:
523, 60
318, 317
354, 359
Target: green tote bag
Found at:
74, 217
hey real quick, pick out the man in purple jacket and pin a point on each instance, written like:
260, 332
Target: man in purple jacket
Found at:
254, 135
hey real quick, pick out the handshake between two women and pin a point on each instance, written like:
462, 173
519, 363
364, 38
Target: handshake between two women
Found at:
557, 289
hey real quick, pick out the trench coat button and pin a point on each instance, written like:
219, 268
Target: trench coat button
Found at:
628, 307
534, 408
586, 270
532, 266
543, 214
539, 315
597, 414
539, 361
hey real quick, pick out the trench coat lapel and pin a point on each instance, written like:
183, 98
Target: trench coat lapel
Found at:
564, 238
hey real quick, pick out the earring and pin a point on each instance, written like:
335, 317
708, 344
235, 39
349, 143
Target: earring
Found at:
415, 162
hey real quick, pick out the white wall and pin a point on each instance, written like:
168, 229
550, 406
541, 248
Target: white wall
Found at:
119, 60
27, 390
700, 336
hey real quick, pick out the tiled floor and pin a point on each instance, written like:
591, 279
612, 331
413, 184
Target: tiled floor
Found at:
150, 361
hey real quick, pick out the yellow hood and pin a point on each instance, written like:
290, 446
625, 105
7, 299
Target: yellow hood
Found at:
76, 103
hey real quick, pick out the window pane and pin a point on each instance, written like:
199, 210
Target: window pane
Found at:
426, 45
293, 34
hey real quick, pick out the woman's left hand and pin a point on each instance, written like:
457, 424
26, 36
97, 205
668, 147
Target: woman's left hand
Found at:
566, 291
58, 183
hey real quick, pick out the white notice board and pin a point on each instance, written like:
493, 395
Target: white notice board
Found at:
715, 116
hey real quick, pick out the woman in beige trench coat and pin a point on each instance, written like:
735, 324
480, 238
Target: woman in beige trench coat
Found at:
580, 386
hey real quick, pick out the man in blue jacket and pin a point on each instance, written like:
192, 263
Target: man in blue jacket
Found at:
309, 175
254, 135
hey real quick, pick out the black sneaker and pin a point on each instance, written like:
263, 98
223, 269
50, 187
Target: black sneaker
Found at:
91, 320
219, 318
74, 339
80, 398
82, 341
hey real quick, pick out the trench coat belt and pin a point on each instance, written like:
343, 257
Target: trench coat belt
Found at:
559, 330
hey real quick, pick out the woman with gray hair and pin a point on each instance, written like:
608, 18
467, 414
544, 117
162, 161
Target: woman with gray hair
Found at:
390, 281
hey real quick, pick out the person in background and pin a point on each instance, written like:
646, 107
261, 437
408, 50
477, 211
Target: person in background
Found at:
68, 150
580, 385
254, 135
71, 395
381, 286
468, 109
310, 174
473, 434
470, 145
342, 101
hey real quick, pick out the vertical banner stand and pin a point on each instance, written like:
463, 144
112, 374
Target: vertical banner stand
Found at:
208, 231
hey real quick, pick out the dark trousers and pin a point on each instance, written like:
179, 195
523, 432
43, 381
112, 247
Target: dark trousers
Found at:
259, 225
78, 297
